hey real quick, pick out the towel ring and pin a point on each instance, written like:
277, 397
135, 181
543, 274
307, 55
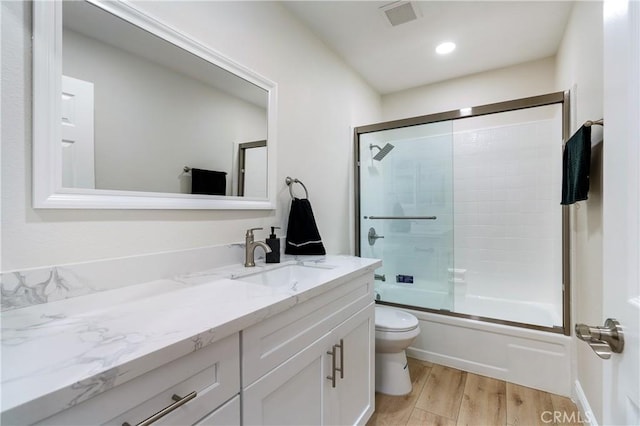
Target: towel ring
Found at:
290, 181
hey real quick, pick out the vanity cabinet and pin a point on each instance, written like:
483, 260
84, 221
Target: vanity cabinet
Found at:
209, 378
291, 361
310, 364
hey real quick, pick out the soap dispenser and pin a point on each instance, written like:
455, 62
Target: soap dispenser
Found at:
274, 245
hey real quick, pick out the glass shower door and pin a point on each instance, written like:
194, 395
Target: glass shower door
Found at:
406, 213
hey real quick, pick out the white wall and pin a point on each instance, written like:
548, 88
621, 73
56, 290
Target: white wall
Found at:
519, 81
580, 67
320, 99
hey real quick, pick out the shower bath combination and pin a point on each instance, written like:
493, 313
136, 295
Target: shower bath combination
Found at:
476, 181
382, 151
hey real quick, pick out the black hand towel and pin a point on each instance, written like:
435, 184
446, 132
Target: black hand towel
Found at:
208, 182
302, 233
576, 163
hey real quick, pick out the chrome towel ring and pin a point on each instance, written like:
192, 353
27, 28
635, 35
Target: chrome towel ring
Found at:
290, 181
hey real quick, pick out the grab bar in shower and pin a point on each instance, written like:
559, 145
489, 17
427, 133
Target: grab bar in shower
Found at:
402, 217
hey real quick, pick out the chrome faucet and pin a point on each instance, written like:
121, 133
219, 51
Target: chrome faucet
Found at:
250, 247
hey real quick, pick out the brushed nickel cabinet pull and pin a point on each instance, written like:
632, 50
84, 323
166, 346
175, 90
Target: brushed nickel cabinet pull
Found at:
334, 367
179, 401
341, 369
332, 352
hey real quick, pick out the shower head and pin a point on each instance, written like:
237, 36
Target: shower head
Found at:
383, 151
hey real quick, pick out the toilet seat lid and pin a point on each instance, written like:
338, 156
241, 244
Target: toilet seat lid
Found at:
390, 319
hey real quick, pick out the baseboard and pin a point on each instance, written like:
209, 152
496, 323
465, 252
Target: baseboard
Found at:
587, 416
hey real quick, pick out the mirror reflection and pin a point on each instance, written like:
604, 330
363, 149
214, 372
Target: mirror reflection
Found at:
142, 114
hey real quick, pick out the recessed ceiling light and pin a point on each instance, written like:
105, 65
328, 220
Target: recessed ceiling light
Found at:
446, 47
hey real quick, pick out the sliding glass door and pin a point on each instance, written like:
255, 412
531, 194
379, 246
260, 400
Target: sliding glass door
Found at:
406, 212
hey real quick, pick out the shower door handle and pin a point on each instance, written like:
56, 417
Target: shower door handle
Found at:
603, 340
372, 236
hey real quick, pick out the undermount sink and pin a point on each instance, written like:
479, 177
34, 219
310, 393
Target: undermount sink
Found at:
286, 275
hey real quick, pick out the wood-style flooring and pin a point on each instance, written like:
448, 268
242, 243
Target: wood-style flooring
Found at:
445, 396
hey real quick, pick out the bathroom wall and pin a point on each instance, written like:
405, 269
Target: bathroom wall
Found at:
580, 68
320, 99
519, 81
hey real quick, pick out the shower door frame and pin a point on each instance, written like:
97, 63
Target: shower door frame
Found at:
561, 98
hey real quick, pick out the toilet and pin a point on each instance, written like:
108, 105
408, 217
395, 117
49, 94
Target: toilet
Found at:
395, 331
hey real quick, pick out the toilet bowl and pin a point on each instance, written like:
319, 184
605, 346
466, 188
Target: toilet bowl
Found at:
395, 331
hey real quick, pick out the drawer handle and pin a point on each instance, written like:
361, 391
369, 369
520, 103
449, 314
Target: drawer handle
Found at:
341, 369
334, 368
179, 401
332, 352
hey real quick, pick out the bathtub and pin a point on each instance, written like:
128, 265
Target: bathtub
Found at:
513, 311
502, 350
542, 314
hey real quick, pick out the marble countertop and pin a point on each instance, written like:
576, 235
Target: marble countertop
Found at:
58, 354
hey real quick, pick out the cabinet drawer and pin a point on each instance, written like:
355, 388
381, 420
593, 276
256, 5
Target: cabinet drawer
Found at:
227, 415
213, 372
271, 342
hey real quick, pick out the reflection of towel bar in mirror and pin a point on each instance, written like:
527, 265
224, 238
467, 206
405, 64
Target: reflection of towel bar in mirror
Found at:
290, 181
403, 217
590, 123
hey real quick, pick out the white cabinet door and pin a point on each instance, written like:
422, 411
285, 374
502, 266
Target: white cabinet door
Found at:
352, 400
292, 393
300, 391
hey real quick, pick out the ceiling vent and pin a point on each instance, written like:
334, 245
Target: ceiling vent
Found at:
401, 12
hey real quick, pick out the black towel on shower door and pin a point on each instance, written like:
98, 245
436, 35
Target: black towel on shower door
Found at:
302, 233
208, 182
576, 164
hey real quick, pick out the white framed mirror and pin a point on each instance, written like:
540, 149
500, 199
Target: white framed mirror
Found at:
129, 113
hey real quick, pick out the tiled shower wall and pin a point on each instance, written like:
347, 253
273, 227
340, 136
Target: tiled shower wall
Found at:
415, 179
507, 213
494, 183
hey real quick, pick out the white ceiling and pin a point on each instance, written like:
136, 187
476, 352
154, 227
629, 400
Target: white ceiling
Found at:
488, 35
